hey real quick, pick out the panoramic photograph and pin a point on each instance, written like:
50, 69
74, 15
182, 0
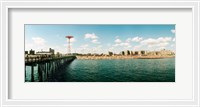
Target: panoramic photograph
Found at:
99, 52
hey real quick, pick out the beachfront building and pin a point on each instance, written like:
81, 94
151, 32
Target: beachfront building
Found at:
161, 53
110, 53
58, 54
143, 52
32, 52
26, 52
131, 53
127, 52
88, 54
137, 52
122, 53
153, 53
50, 52
166, 52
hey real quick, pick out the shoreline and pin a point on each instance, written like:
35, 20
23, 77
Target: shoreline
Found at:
122, 57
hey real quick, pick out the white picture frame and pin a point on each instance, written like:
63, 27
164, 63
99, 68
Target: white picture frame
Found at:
53, 4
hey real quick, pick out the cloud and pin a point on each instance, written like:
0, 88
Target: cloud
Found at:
137, 47
129, 46
99, 46
173, 31
72, 40
90, 36
125, 44
118, 41
137, 39
129, 40
35, 43
28, 46
95, 41
38, 44
111, 48
96, 50
84, 46
163, 44
38, 41
151, 41
159, 42
174, 40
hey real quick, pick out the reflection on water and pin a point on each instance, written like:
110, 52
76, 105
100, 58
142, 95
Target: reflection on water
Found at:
107, 70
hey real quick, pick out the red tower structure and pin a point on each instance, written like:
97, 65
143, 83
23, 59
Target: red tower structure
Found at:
69, 46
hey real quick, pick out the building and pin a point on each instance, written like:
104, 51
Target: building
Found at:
137, 52
50, 52
32, 52
26, 52
88, 54
166, 52
122, 53
58, 54
131, 53
110, 53
161, 52
143, 52
74, 53
127, 52
152, 53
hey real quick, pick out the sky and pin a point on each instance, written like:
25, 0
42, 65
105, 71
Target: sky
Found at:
99, 38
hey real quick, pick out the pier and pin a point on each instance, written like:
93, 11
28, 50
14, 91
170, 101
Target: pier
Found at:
45, 66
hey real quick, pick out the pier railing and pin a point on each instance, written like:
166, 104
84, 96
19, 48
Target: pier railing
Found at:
39, 59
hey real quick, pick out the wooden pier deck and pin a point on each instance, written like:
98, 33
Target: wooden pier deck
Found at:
37, 60
46, 66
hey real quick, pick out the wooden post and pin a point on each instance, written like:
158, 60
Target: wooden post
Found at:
32, 73
44, 71
47, 71
40, 72
25, 71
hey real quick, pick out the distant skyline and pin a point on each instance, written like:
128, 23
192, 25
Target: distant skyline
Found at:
99, 38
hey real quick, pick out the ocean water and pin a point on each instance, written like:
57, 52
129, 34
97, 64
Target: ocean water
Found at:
109, 70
